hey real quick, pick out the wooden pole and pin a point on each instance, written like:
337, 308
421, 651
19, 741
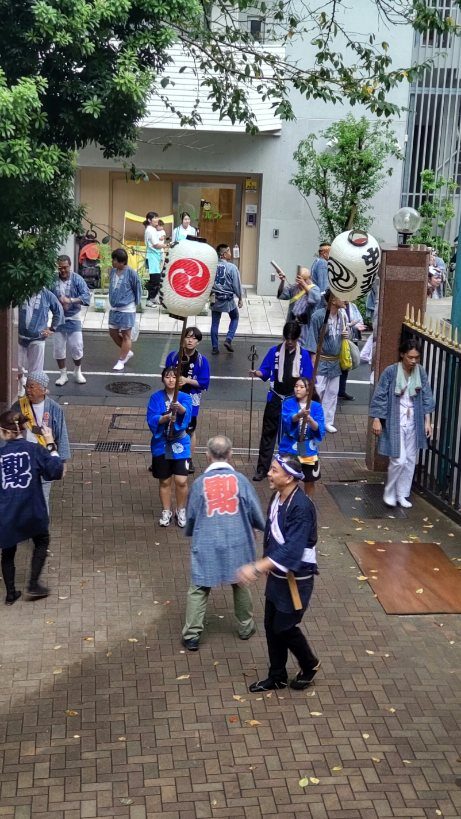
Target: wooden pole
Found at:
178, 374
318, 353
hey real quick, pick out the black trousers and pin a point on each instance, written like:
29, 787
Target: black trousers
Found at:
41, 544
283, 635
269, 432
153, 285
343, 382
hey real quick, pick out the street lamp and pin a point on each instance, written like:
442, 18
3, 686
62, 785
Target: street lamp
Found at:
406, 222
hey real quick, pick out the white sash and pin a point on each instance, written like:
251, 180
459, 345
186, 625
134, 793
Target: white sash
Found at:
309, 555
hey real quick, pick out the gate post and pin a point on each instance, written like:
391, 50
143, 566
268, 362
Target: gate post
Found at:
402, 281
8, 359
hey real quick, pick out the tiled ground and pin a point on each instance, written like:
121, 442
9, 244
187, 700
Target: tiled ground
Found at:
103, 714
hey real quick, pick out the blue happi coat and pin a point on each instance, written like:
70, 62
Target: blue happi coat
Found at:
331, 347
291, 429
270, 362
385, 405
199, 370
46, 301
23, 512
319, 273
74, 288
302, 305
159, 404
222, 511
226, 285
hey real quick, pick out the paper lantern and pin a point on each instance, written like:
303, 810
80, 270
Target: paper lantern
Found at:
188, 277
353, 264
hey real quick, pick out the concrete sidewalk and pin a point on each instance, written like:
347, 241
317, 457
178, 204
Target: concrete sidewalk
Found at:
104, 714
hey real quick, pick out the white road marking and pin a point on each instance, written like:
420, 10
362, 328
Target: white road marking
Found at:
157, 375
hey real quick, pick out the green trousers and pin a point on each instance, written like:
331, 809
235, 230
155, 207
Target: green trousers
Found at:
197, 598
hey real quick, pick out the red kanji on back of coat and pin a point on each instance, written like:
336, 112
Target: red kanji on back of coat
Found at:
221, 495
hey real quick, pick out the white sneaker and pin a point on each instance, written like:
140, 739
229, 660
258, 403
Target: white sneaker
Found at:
63, 379
150, 303
330, 428
166, 516
404, 503
78, 376
128, 356
181, 518
120, 365
389, 500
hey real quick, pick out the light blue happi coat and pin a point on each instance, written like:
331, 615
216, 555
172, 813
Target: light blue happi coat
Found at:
222, 511
57, 423
45, 301
331, 344
385, 405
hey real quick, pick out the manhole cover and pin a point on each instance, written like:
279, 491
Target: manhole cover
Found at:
363, 500
128, 387
112, 446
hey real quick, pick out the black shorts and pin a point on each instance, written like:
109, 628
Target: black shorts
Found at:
193, 425
163, 468
311, 472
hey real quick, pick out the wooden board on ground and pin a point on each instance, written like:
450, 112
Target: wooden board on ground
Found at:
410, 578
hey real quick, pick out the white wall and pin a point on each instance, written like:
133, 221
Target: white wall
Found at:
282, 206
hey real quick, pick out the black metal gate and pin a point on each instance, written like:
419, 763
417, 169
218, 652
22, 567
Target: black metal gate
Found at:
438, 471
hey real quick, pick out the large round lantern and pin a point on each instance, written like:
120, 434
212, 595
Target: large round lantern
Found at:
188, 277
353, 264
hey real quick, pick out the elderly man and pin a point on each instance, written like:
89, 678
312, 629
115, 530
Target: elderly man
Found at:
222, 512
40, 409
72, 292
319, 268
304, 297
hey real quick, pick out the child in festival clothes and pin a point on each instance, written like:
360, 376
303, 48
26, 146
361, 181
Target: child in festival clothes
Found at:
294, 413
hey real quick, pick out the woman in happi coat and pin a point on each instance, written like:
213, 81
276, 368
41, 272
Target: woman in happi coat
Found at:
329, 371
124, 295
170, 446
23, 511
401, 409
294, 416
290, 563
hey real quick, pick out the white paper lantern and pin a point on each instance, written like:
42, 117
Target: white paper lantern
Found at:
354, 261
188, 277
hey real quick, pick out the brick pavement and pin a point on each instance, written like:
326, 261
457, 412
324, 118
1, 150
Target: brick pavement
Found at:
157, 732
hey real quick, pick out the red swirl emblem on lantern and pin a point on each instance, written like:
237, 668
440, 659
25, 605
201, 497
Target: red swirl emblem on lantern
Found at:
189, 278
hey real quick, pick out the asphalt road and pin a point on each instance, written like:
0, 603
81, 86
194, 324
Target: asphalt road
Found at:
230, 384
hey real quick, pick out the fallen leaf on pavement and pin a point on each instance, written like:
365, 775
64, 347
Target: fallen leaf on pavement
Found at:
303, 783
370, 542
238, 698
419, 591
366, 736
252, 722
121, 739
63, 597
316, 713
406, 761
126, 801
314, 780
89, 639
362, 577
183, 677
132, 640
391, 710
375, 759
337, 768
216, 662
367, 651
233, 719
380, 550
71, 713
57, 671
56, 647
436, 569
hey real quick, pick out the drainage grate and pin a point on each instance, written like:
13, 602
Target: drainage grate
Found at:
363, 500
112, 446
128, 387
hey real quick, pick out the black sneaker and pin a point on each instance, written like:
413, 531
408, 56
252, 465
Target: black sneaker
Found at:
302, 681
192, 644
215, 351
11, 598
259, 476
228, 346
268, 684
345, 396
37, 592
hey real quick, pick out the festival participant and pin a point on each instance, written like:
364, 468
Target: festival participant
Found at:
155, 244
185, 229
72, 292
124, 295
290, 564
33, 330
304, 297
194, 379
305, 450
401, 409
222, 512
226, 287
170, 445
319, 269
23, 511
329, 371
39, 409
282, 365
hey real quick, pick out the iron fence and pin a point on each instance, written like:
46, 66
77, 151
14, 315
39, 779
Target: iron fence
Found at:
438, 470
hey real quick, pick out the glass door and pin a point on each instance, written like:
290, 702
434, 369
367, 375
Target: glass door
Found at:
214, 208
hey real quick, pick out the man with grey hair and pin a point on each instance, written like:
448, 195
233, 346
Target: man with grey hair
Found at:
222, 512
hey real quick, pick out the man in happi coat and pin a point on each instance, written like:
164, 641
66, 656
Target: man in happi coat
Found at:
222, 512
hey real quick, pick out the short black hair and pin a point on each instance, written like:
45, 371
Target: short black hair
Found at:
195, 332
167, 370
291, 331
222, 247
120, 255
411, 343
183, 214
64, 258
